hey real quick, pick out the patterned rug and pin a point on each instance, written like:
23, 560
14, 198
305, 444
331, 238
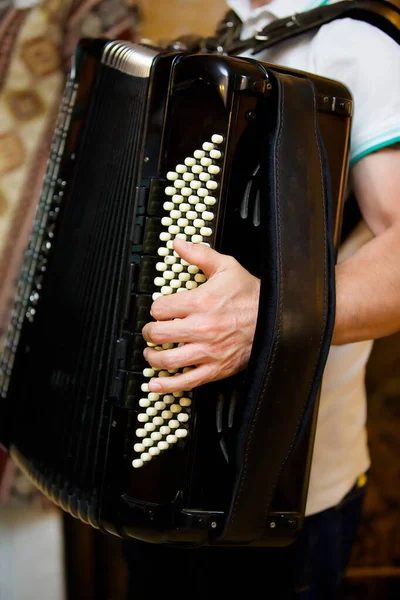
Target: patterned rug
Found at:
36, 43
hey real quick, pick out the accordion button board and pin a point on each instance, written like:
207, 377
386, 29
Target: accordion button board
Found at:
186, 217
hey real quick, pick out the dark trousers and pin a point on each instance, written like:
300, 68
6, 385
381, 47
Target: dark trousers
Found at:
310, 569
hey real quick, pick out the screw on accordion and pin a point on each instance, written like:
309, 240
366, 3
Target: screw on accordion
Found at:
152, 144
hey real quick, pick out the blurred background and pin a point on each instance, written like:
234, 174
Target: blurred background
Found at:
44, 553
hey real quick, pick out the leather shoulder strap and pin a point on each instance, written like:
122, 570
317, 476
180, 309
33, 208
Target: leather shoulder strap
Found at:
296, 310
380, 13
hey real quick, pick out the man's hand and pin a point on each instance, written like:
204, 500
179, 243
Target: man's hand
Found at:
214, 323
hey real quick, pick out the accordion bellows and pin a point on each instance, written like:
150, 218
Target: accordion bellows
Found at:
149, 145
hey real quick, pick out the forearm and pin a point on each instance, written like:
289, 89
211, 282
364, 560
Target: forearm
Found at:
368, 290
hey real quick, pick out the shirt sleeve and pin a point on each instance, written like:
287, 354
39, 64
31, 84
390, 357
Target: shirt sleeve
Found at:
367, 61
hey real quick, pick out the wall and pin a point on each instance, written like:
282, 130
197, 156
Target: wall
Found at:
168, 19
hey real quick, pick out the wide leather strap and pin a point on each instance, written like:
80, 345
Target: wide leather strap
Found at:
379, 13
296, 309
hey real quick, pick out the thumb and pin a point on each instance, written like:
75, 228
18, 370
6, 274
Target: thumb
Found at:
208, 260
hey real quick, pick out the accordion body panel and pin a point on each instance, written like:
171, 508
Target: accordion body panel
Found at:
73, 365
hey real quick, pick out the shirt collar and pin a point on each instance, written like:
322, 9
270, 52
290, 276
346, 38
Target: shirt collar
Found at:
275, 9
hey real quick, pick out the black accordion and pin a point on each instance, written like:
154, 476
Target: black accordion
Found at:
151, 144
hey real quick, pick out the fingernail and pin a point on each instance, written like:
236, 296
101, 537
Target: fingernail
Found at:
154, 386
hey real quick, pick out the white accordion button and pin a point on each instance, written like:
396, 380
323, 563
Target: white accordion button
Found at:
154, 451
172, 439
197, 168
185, 401
197, 239
216, 154
213, 169
195, 185
137, 463
172, 175
206, 231
199, 154
148, 372
163, 445
139, 448
170, 191
217, 139
177, 268
183, 417
181, 169
181, 433
200, 278
205, 176
207, 146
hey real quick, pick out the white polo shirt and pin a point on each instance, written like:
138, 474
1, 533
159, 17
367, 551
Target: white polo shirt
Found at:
368, 62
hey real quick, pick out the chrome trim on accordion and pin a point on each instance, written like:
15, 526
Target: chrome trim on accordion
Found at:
132, 59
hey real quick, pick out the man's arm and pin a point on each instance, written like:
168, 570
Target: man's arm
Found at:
216, 322
368, 283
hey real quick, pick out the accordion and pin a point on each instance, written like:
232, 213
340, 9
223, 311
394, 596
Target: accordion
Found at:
151, 144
